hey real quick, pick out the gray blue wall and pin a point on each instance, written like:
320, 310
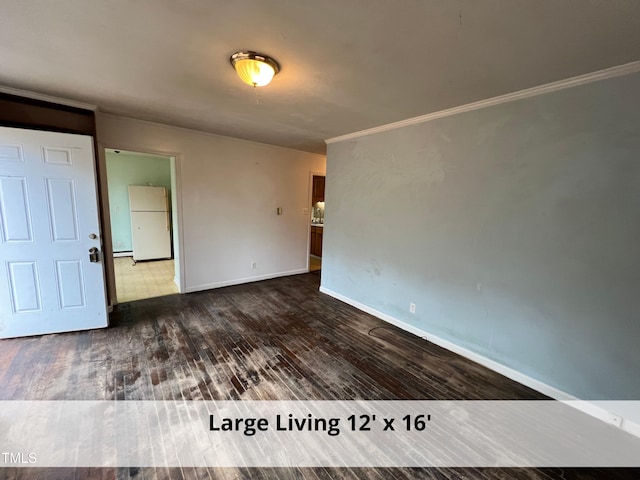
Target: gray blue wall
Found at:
123, 170
515, 229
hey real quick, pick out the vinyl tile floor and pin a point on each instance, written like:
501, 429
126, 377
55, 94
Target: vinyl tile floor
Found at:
145, 279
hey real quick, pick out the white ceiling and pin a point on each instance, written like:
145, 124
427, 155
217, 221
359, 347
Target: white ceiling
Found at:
347, 65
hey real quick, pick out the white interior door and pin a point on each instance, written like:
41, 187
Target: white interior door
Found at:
48, 224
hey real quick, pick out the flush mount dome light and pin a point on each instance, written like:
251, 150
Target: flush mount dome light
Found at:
254, 68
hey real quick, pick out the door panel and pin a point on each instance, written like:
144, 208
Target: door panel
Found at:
62, 209
10, 153
70, 284
48, 209
60, 156
25, 287
14, 209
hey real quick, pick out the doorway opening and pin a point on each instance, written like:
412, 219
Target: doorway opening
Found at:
317, 222
140, 187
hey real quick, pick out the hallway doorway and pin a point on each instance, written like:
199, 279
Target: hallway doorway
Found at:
142, 240
317, 222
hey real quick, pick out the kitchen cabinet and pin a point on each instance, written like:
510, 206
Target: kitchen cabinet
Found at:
317, 192
316, 241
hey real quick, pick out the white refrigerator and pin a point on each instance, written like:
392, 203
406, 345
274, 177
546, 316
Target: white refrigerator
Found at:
150, 222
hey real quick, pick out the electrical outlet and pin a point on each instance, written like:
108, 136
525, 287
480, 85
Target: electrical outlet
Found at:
305, 211
253, 265
615, 419
412, 308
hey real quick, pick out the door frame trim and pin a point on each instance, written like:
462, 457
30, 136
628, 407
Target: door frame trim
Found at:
176, 207
309, 199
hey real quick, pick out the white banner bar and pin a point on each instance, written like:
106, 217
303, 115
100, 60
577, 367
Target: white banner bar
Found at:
311, 434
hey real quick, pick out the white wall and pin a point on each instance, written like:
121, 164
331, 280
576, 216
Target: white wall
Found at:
228, 192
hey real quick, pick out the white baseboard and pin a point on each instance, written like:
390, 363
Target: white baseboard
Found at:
122, 254
588, 407
239, 281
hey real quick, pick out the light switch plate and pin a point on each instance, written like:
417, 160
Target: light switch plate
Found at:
305, 211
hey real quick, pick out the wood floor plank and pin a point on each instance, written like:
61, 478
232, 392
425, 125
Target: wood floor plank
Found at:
274, 340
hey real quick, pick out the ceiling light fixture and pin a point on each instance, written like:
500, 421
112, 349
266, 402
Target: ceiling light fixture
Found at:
253, 68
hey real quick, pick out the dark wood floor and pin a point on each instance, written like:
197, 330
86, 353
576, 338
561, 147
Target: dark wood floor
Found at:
277, 339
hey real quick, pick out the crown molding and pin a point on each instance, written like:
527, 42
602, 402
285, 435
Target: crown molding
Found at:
47, 98
613, 72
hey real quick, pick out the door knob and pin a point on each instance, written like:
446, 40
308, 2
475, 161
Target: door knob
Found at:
93, 236
94, 255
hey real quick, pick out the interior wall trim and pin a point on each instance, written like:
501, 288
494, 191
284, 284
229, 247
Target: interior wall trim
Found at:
240, 281
612, 72
47, 98
585, 406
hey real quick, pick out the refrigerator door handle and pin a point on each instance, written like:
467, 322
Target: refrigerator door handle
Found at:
166, 206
